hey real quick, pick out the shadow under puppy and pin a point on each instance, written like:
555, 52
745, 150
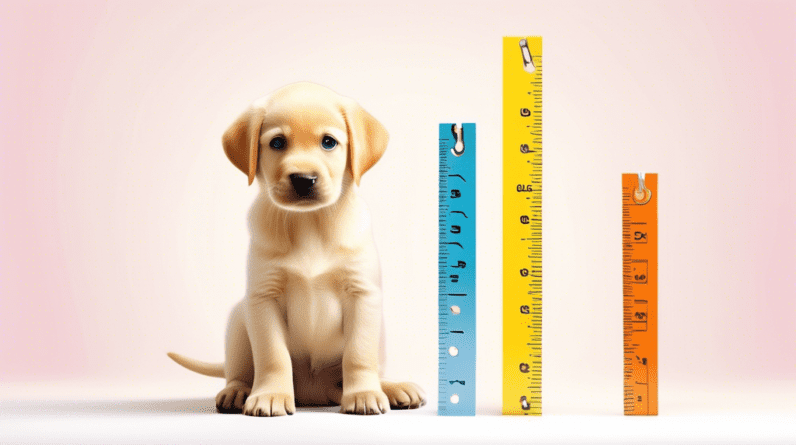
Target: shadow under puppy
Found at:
309, 330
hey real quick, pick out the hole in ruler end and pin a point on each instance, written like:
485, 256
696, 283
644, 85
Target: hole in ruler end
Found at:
458, 134
642, 196
456, 310
455, 398
453, 351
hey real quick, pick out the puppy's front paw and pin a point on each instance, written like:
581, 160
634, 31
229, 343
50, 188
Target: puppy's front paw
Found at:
269, 405
404, 395
231, 399
365, 402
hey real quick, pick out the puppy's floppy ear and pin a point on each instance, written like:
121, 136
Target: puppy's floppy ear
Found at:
242, 141
367, 139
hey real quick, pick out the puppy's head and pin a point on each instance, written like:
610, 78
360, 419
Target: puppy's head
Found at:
305, 143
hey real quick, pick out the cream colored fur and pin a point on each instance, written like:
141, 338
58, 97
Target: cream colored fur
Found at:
309, 330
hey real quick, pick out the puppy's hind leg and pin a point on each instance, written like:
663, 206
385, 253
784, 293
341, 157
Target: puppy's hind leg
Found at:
238, 365
403, 395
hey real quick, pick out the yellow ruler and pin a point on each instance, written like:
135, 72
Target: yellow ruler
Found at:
522, 225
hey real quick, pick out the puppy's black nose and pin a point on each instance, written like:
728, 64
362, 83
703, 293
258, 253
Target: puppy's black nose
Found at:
302, 183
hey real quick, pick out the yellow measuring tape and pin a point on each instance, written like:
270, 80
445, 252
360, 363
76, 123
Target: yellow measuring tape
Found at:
522, 225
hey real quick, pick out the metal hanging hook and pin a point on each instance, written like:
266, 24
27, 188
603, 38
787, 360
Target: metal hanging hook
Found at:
458, 134
641, 195
527, 59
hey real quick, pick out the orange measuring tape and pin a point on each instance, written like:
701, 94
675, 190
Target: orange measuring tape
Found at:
640, 292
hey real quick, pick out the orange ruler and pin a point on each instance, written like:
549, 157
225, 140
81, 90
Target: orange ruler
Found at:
640, 292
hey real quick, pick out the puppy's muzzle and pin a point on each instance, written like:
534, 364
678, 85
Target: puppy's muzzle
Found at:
303, 184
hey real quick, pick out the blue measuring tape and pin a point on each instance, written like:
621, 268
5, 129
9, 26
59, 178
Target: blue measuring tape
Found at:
456, 270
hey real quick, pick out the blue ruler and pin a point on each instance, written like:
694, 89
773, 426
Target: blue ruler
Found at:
456, 270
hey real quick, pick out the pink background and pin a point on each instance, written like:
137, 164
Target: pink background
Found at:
123, 225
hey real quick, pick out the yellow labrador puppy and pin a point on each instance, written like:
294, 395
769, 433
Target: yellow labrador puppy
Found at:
309, 330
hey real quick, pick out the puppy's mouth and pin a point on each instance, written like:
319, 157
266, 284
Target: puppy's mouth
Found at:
290, 197
302, 198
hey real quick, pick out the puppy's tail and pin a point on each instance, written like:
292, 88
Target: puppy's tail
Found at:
204, 368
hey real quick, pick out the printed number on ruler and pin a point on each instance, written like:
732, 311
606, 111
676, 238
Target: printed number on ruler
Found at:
522, 225
456, 270
640, 292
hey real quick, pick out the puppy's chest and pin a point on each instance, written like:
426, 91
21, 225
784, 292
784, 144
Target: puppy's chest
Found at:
313, 296
313, 278
313, 266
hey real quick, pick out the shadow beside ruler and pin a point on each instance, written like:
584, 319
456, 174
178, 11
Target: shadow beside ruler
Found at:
456, 273
640, 295
522, 225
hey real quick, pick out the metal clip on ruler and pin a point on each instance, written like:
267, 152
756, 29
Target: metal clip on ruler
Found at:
456, 270
522, 225
640, 292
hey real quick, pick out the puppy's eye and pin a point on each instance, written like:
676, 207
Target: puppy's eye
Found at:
328, 143
278, 143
